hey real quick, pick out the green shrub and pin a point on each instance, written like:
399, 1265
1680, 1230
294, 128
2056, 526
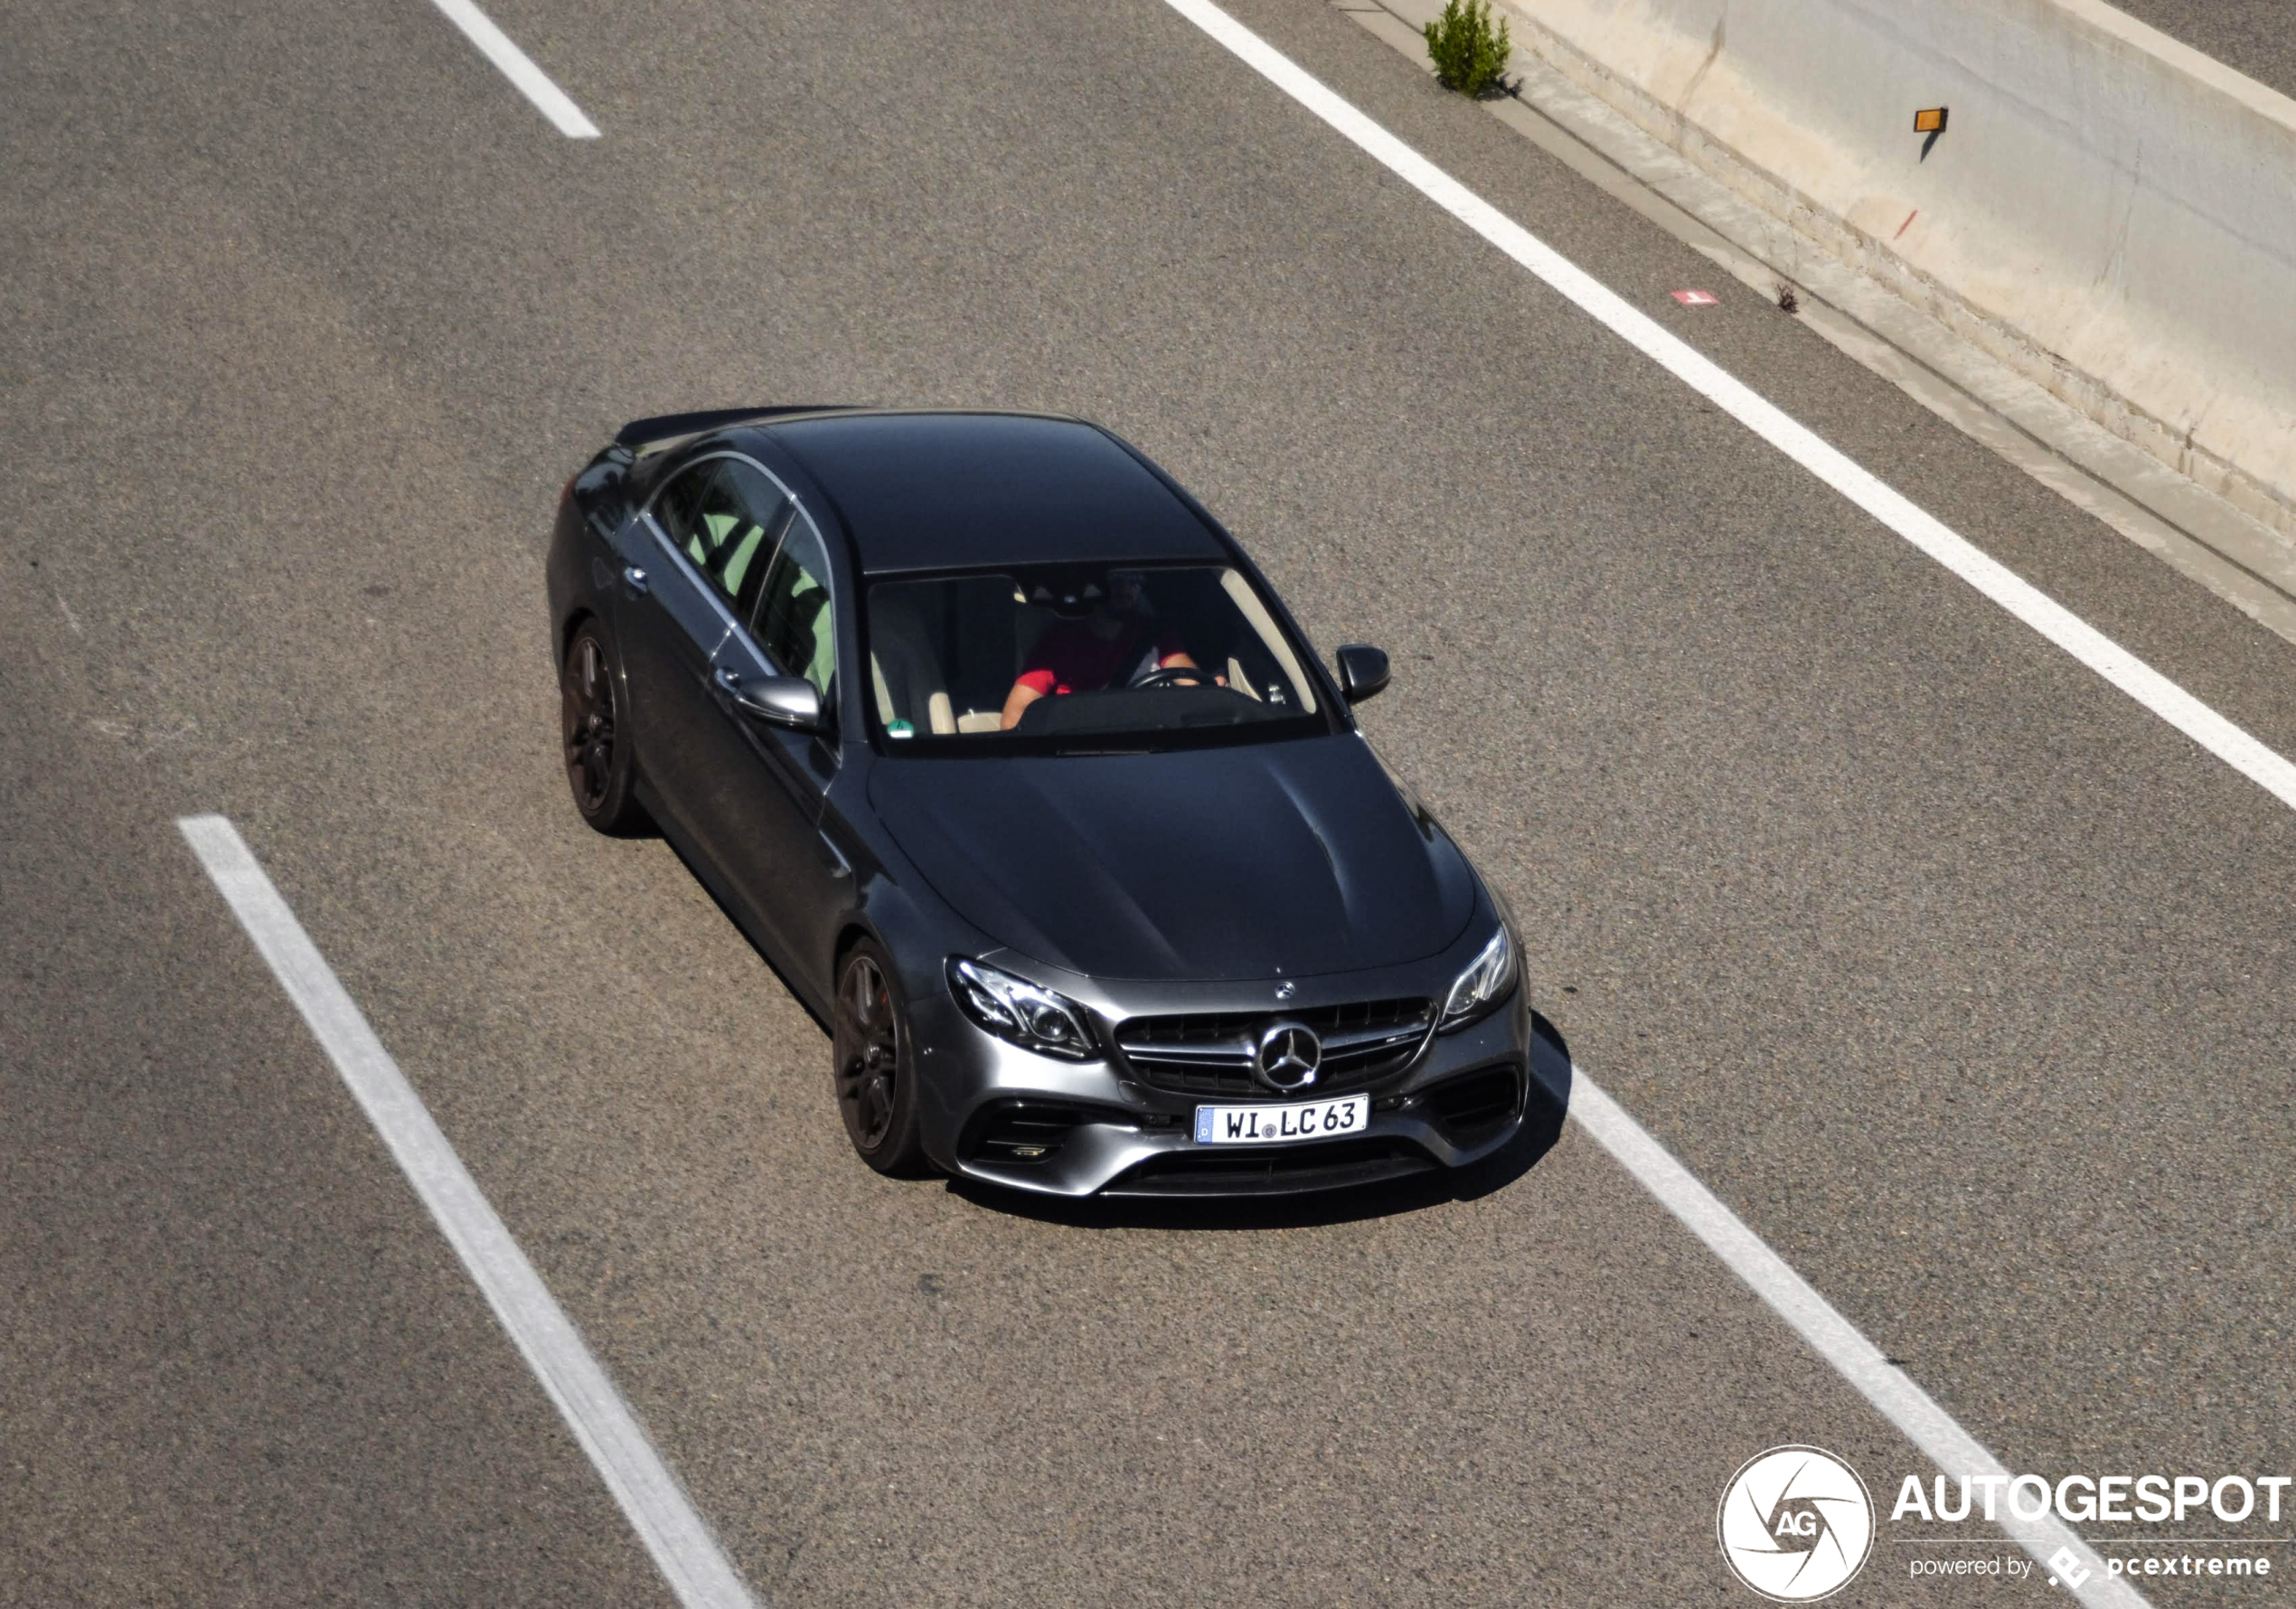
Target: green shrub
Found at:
1469, 54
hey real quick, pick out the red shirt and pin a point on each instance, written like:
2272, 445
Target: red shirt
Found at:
1069, 658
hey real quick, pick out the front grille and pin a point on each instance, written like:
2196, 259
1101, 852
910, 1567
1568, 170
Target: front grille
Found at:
1212, 1052
1334, 1164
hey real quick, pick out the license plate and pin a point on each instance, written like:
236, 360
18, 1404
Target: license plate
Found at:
1301, 1120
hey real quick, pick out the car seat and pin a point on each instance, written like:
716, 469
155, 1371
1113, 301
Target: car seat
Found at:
905, 672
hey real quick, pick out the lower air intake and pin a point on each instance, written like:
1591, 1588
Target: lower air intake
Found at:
1332, 1164
1020, 1134
1476, 1100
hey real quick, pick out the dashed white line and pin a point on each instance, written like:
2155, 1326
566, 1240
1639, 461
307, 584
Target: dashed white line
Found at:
1833, 1337
519, 68
1859, 1361
658, 1507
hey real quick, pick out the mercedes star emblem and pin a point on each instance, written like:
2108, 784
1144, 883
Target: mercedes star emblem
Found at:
1289, 1054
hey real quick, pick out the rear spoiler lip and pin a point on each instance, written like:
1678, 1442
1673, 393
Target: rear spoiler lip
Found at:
665, 426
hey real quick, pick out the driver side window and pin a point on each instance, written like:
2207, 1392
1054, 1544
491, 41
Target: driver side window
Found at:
795, 624
725, 516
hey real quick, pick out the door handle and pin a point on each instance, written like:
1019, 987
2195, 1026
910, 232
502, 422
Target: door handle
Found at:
635, 579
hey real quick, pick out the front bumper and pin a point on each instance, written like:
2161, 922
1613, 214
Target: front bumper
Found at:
1008, 1116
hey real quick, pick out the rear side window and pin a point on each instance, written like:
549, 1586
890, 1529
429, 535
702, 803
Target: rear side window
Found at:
727, 518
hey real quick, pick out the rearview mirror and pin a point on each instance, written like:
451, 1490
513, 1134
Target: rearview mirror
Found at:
790, 701
1363, 670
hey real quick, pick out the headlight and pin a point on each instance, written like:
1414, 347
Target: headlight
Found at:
1015, 1009
1488, 979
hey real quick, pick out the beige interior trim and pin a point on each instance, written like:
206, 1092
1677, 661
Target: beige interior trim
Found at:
1241, 593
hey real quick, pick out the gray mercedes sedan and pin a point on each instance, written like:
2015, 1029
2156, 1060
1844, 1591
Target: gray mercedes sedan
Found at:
994, 743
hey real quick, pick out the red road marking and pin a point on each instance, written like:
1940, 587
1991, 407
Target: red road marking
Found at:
1696, 298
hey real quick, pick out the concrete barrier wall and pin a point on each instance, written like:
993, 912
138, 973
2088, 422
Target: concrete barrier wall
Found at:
2108, 212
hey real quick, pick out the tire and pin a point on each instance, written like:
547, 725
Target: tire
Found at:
595, 735
872, 1064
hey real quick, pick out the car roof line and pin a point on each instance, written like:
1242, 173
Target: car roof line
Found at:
663, 427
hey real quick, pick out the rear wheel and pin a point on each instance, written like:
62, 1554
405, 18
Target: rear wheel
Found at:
875, 1064
594, 726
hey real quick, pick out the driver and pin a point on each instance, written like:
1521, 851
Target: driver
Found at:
1112, 645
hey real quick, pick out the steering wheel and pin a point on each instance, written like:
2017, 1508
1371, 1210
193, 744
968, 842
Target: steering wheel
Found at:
1173, 675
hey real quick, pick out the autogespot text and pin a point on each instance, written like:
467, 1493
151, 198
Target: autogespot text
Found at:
2081, 1500
2152, 1500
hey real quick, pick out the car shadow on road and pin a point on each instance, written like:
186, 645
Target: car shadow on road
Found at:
1550, 1089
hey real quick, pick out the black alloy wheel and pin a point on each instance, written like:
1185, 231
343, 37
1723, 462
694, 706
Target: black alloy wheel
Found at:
872, 1058
599, 766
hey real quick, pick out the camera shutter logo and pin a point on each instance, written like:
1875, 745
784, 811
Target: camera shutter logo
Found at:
1795, 1524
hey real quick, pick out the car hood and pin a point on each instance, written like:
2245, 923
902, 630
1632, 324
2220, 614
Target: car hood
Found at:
1230, 863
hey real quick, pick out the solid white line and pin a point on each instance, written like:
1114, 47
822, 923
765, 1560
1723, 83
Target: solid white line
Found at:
2244, 753
519, 68
1833, 1337
658, 1508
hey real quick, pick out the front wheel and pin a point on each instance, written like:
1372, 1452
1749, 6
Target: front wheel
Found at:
875, 1064
595, 731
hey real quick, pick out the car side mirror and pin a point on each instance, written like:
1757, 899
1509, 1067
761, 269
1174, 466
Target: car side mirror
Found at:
1363, 670
790, 701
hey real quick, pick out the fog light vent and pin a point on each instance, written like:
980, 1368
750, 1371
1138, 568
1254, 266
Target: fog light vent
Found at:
1020, 1134
1475, 1099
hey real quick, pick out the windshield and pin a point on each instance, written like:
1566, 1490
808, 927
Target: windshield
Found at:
1092, 657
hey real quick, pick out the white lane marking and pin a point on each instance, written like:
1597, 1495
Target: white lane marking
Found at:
658, 1507
1833, 1337
519, 68
2237, 748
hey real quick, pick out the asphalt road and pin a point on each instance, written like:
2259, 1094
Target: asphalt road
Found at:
2251, 36
1957, 974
